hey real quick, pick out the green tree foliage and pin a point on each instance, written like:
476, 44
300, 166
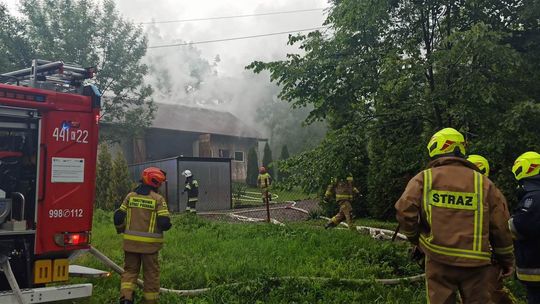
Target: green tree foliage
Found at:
252, 167
283, 156
104, 179
14, 46
91, 34
121, 183
267, 159
390, 73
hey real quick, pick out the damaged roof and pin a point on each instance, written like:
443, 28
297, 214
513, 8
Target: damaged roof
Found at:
199, 120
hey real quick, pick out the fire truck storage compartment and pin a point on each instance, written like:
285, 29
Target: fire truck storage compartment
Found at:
19, 134
212, 174
19, 137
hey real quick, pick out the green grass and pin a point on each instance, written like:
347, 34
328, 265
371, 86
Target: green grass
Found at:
199, 253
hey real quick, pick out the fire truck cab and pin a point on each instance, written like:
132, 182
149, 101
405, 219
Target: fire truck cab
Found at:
48, 144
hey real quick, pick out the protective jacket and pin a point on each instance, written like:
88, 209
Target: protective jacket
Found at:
457, 215
525, 226
142, 217
343, 190
192, 189
264, 181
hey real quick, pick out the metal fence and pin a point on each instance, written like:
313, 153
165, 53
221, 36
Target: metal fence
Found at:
212, 174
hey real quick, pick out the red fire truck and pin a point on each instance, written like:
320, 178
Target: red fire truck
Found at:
48, 143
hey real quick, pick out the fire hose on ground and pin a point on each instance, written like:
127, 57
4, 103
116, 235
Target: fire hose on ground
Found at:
376, 233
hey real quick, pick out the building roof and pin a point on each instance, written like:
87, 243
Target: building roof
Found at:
199, 120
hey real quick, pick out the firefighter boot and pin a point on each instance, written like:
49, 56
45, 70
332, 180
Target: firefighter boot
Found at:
330, 224
126, 301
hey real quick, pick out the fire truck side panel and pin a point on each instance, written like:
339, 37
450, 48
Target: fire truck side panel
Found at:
68, 157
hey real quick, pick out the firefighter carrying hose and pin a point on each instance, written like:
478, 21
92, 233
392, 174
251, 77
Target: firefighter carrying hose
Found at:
525, 223
142, 218
344, 191
501, 295
458, 218
191, 186
264, 181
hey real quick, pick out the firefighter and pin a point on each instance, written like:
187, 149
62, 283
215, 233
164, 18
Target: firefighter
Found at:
501, 295
525, 223
344, 192
191, 186
264, 181
142, 218
458, 218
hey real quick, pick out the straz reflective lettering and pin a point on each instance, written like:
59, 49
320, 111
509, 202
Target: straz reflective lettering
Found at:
143, 203
453, 200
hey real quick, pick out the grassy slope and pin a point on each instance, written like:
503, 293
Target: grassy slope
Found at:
200, 253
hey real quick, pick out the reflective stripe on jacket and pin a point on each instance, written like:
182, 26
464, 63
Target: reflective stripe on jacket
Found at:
264, 181
192, 188
456, 214
343, 190
142, 234
525, 225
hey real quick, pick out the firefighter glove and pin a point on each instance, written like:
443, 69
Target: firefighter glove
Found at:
164, 223
417, 255
119, 218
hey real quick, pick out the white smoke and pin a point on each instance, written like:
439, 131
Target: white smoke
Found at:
213, 75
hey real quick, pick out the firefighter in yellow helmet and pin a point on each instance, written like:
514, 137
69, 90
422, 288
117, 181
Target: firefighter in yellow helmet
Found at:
458, 218
501, 295
480, 162
344, 191
264, 181
525, 223
142, 218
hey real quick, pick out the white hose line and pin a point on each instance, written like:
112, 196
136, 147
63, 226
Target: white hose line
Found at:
193, 292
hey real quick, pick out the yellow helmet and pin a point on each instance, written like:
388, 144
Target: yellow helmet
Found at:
480, 162
446, 141
526, 165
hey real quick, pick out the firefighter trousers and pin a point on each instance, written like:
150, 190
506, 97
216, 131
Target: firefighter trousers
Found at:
345, 213
132, 266
501, 294
475, 284
192, 205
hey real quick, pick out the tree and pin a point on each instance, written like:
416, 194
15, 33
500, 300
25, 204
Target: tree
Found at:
14, 46
121, 182
282, 176
91, 34
252, 168
267, 159
394, 72
104, 179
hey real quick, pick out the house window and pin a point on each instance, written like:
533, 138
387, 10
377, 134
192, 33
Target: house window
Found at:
239, 156
224, 153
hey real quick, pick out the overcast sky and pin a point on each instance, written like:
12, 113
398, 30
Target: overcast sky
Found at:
234, 54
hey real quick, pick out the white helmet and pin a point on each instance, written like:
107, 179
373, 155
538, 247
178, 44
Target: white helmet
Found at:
187, 173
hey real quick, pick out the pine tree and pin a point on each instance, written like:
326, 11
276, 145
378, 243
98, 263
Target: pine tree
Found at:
267, 159
252, 168
284, 156
103, 178
121, 182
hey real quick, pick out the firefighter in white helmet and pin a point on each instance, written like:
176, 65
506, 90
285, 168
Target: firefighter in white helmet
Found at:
191, 186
